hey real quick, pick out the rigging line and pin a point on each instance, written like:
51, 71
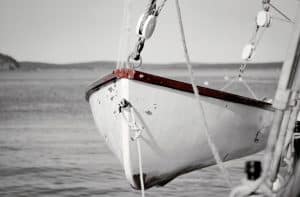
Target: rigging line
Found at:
121, 37
281, 13
244, 83
128, 30
234, 78
139, 149
282, 20
259, 36
161, 7
249, 89
124, 35
228, 84
132, 125
121, 40
150, 6
254, 34
211, 144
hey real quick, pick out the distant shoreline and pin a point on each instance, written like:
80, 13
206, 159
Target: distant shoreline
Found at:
177, 66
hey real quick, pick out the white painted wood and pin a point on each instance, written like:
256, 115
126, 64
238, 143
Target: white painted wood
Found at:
173, 139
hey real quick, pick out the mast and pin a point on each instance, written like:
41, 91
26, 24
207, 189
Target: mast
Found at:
287, 106
289, 79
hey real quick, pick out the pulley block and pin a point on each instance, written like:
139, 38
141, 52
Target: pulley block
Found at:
146, 26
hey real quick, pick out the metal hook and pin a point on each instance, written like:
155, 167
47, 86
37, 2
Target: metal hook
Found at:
134, 62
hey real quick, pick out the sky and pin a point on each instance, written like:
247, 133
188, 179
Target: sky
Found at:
65, 31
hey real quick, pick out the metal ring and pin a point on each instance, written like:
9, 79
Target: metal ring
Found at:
134, 63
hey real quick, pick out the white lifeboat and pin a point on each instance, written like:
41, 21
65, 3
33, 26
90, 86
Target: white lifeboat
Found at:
172, 138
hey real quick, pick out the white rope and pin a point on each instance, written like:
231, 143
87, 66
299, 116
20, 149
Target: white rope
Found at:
139, 149
229, 83
211, 144
281, 13
138, 132
249, 89
282, 20
137, 136
235, 79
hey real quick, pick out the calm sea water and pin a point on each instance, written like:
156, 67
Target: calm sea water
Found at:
49, 145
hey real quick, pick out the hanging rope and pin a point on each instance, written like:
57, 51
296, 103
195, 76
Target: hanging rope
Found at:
228, 84
243, 82
249, 88
139, 149
281, 13
211, 144
133, 126
138, 134
282, 20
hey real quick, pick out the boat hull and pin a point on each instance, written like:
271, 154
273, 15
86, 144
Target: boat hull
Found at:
173, 139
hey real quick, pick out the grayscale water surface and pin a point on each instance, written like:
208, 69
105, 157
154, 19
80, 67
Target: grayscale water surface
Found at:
49, 145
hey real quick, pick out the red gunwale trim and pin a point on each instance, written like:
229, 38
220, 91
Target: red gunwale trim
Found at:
178, 85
